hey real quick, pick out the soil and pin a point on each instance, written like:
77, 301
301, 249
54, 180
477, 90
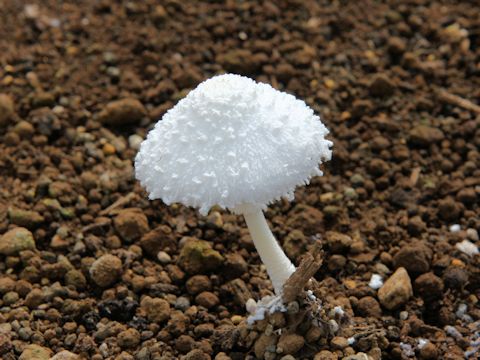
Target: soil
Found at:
91, 269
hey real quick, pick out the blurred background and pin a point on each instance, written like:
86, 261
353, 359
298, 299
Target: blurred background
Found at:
81, 83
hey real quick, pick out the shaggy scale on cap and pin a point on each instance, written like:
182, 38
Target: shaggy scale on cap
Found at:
232, 141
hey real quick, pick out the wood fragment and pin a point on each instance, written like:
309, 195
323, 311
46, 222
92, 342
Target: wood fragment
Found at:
309, 265
414, 176
124, 200
456, 100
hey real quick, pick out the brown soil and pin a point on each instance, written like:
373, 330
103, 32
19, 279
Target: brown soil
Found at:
90, 266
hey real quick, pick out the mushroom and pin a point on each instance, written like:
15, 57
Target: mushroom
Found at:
238, 144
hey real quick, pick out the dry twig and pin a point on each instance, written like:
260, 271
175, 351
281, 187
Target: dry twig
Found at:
456, 100
309, 265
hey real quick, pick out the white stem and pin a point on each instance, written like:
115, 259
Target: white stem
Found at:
279, 267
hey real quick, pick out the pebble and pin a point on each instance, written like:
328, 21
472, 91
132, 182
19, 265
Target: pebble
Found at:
369, 306
325, 355
34, 298
122, 112
25, 218
423, 135
76, 279
338, 242
415, 258
428, 352
182, 303
472, 234
10, 298
7, 110
382, 86
35, 352
134, 141
106, 270
128, 338
24, 129
16, 240
196, 354
467, 247
164, 258
339, 342
198, 283
156, 309
159, 239
429, 286
396, 290
131, 224
207, 299
65, 355
455, 277
197, 256
376, 281
6, 284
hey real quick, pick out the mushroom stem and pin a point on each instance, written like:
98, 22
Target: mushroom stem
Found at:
279, 267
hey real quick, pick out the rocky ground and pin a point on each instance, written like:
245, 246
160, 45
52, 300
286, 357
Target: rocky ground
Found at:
91, 269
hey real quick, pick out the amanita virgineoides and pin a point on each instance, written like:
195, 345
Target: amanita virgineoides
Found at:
238, 144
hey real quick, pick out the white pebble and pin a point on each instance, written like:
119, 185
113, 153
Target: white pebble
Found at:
472, 234
351, 340
453, 332
455, 228
376, 281
467, 247
403, 315
407, 349
422, 343
163, 257
251, 306
134, 141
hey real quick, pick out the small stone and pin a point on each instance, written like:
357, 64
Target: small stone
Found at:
35, 352
122, 112
10, 298
369, 306
34, 298
197, 256
131, 224
415, 258
429, 286
449, 209
467, 196
396, 46
106, 270
423, 135
16, 240
7, 110
164, 258
184, 343
76, 279
416, 226
235, 265
65, 355
156, 309
339, 342
290, 343
338, 242
182, 303
159, 239
25, 218
197, 354
396, 290
472, 234
6, 284
429, 351
325, 355
455, 277
128, 338
134, 141
198, 283
207, 299
24, 129
262, 343
381, 86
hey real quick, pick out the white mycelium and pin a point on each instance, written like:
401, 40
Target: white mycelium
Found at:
238, 144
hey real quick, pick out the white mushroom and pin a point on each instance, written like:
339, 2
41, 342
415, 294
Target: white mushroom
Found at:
238, 144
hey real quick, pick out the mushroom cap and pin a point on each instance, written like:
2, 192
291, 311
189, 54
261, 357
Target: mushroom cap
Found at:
232, 142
